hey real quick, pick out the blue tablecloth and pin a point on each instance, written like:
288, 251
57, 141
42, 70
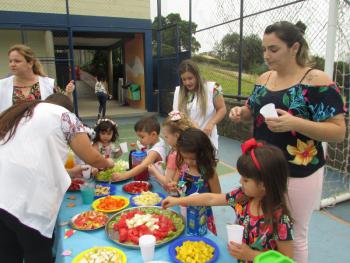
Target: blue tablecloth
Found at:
82, 240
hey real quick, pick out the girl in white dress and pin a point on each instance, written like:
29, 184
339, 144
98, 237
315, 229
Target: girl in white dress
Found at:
202, 101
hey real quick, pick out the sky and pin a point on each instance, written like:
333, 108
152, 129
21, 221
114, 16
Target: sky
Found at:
199, 14
211, 12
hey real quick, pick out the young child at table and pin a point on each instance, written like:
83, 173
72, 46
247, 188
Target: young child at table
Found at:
147, 130
172, 128
260, 203
106, 133
195, 150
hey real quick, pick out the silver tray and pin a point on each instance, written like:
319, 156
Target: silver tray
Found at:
71, 222
114, 235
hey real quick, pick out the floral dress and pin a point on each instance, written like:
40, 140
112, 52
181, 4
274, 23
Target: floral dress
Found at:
18, 96
314, 103
107, 150
256, 235
195, 184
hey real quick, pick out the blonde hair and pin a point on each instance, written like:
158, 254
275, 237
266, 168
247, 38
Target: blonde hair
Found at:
179, 125
29, 56
189, 66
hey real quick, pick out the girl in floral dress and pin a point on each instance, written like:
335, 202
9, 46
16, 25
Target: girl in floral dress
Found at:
195, 150
106, 134
260, 203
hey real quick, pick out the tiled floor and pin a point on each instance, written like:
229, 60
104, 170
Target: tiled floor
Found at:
88, 105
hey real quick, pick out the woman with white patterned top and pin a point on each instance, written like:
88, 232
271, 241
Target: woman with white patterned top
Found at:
34, 139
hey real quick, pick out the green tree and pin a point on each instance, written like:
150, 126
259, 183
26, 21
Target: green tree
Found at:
228, 49
252, 52
317, 62
168, 35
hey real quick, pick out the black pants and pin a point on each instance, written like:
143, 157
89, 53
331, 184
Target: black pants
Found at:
19, 242
102, 100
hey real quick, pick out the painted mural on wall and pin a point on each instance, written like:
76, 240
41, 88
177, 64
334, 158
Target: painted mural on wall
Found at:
134, 67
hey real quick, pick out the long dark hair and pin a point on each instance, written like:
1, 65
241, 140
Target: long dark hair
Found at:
11, 117
193, 140
273, 173
105, 125
290, 34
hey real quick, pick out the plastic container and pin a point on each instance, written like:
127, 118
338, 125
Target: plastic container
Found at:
179, 242
70, 160
136, 158
132, 203
112, 190
87, 192
196, 219
272, 256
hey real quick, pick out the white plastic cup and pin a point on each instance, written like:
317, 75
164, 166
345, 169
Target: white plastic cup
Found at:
269, 110
235, 233
86, 170
124, 147
147, 244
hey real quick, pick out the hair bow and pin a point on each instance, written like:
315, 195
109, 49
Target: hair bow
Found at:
107, 120
250, 145
175, 115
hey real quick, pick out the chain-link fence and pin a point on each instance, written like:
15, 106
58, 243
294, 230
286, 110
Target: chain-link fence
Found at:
217, 30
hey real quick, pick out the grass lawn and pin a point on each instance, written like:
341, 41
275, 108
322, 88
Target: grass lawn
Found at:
228, 79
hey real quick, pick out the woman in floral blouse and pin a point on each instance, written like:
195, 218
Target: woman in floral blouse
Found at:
28, 82
310, 111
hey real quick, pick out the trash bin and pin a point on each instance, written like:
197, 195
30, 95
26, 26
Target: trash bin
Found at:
134, 92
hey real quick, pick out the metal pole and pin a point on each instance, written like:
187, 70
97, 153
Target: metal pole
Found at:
331, 37
240, 50
177, 52
190, 26
159, 43
71, 58
329, 59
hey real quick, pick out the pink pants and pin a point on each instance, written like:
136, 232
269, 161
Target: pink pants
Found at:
304, 193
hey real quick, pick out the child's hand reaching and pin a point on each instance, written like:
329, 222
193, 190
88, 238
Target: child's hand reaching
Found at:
116, 177
170, 202
241, 251
152, 169
171, 186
